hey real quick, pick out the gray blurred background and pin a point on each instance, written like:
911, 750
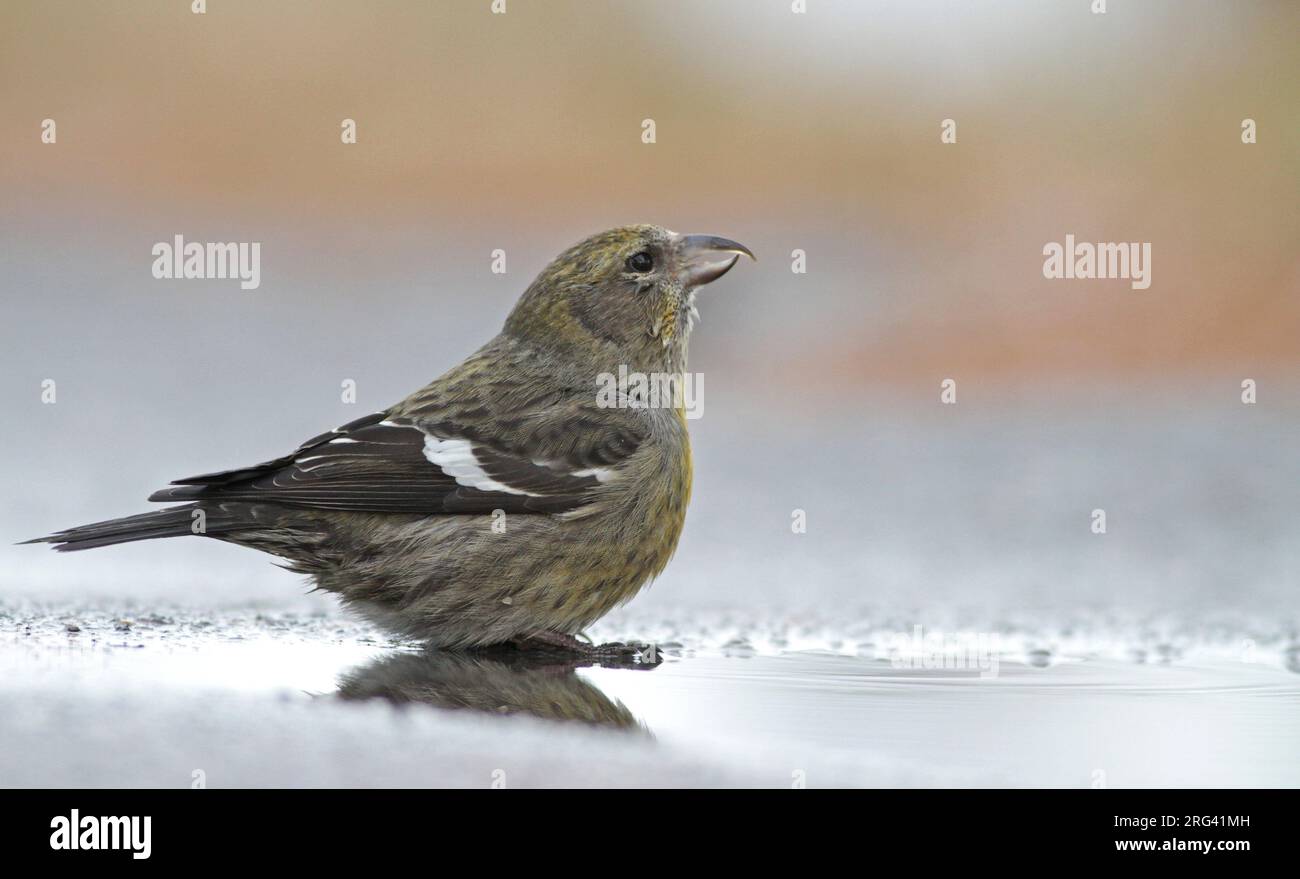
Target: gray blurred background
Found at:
818, 132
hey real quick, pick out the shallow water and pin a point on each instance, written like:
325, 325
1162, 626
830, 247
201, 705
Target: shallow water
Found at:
303, 695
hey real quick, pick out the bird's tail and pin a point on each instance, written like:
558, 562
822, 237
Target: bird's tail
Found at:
171, 522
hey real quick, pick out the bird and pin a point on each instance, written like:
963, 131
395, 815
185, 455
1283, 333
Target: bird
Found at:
507, 501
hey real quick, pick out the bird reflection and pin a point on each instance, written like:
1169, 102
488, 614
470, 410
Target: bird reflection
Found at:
501, 680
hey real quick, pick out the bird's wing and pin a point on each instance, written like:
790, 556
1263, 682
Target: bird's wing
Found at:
421, 462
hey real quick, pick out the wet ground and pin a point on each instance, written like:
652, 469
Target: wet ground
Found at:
301, 694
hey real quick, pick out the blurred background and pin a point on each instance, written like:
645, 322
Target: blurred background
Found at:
816, 131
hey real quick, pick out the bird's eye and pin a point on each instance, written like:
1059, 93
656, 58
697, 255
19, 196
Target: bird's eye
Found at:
640, 262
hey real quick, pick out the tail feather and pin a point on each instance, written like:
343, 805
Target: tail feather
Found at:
171, 522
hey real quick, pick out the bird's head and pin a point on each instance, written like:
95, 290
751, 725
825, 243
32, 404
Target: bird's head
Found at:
628, 293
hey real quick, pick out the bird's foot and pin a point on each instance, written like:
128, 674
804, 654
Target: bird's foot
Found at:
645, 654
613, 652
551, 641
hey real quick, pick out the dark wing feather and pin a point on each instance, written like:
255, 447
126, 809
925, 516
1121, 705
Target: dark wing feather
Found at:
377, 465
244, 473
